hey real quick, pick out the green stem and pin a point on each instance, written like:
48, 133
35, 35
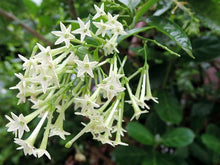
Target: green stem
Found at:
134, 74
167, 75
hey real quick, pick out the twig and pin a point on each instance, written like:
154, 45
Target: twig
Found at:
31, 31
72, 9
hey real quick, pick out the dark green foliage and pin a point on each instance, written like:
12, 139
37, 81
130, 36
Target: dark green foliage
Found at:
140, 133
183, 129
169, 109
178, 137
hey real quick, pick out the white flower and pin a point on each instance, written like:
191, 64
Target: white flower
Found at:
43, 79
64, 35
111, 89
28, 63
110, 46
85, 66
102, 28
57, 127
86, 104
17, 124
59, 132
26, 146
137, 110
83, 30
148, 88
100, 11
45, 56
112, 86
113, 20
139, 102
104, 139
40, 152
118, 30
72, 58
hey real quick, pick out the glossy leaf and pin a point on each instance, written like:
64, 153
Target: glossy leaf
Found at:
143, 10
206, 48
130, 3
133, 32
179, 137
164, 47
128, 155
140, 133
173, 31
211, 142
168, 108
163, 6
208, 12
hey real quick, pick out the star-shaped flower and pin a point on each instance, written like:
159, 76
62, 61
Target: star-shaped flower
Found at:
44, 79
113, 20
64, 35
86, 103
100, 11
45, 56
85, 66
17, 124
56, 130
40, 152
83, 30
26, 146
102, 28
110, 46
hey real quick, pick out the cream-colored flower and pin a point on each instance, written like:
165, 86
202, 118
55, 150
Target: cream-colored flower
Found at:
28, 148
83, 29
102, 28
17, 125
56, 130
64, 35
100, 11
86, 104
110, 46
85, 66
40, 152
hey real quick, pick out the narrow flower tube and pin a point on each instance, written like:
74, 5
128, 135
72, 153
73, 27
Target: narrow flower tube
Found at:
148, 88
28, 144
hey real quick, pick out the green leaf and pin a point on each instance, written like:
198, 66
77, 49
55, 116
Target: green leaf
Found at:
82, 51
168, 109
164, 47
159, 159
31, 6
163, 6
200, 153
140, 133
143, 10
206, 48
211, 142
208, 12
179, 137
213, 129
128, 155
173, 31
130, 3
202, 108
155, 124
133, 32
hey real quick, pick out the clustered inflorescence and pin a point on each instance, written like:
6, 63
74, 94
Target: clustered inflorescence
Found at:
55, 79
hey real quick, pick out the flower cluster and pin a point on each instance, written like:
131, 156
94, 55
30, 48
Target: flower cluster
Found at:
54, 79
